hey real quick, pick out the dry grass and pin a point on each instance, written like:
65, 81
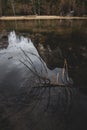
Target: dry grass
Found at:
31, 17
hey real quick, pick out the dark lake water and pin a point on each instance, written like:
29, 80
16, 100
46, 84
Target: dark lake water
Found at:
25, 108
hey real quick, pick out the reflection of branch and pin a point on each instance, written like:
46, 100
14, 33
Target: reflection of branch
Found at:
40, 60
42, 79
38, 92
65, 71
29, 60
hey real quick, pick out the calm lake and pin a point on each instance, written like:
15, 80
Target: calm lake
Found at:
23, 107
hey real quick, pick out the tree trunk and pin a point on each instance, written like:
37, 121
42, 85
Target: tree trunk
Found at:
12, 4
0, 7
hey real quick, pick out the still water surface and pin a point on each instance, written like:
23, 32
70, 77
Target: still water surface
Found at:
20, 105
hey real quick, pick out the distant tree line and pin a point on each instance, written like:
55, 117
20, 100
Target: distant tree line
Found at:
43, 7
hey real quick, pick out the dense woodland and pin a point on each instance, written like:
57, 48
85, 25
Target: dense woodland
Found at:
43, 7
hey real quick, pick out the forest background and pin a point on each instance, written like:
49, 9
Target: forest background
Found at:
43, 7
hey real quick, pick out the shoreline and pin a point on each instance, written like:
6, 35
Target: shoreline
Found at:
37, 17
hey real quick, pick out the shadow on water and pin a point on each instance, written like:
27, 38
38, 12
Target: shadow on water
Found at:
23, 107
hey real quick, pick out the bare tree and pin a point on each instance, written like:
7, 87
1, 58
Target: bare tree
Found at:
0, 7
39, 7
83, 8
34, 7
12, 5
